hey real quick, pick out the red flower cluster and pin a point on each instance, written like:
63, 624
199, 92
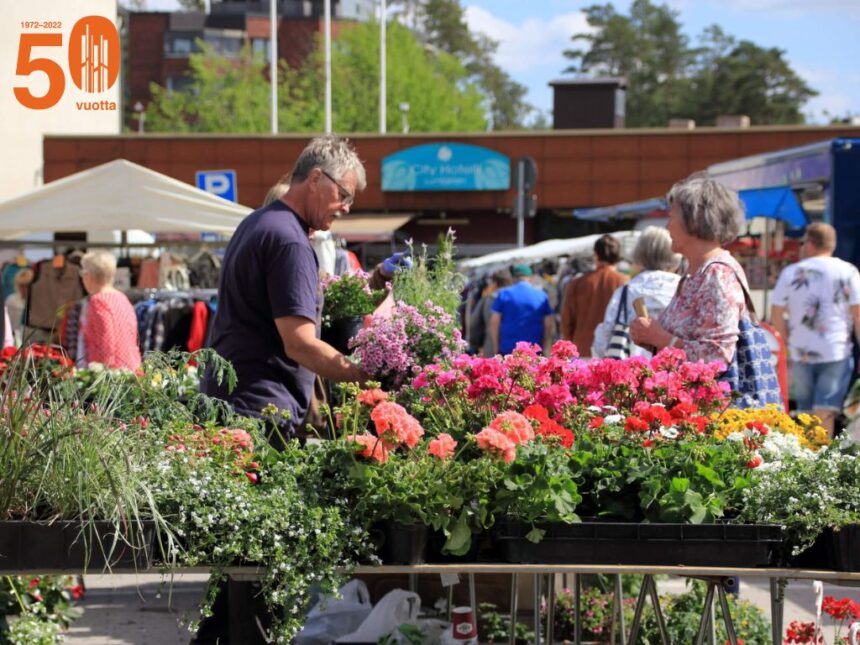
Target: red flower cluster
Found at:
38, 354
547, 427
841, 609
800, 632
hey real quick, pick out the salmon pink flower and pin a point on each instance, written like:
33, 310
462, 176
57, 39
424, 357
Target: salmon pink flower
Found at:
442, 446
497, 444
514, 426
395, 425
372, 397
372, 447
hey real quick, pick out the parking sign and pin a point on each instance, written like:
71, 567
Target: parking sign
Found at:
218, 182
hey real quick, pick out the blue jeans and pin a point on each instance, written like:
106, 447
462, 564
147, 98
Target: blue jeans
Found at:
821, 386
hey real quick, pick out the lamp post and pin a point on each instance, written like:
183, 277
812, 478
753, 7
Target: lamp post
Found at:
273, 63
141, 116
327, 21
404, 116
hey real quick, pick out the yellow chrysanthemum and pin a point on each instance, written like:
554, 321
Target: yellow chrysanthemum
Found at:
806, 427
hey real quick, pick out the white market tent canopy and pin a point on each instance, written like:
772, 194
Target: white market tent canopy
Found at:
118, 195
549, 249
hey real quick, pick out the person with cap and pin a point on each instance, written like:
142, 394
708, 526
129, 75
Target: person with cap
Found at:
521, 312
586, 297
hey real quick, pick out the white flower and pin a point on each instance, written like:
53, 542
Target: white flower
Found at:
669, 433
613, 418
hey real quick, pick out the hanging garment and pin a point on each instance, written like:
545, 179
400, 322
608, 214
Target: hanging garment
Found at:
52, 288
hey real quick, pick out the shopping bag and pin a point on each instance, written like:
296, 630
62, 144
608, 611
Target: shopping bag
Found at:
619, 340
752, 373
331, 618
394, 609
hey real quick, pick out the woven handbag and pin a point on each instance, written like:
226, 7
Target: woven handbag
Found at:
752, 373
619, 340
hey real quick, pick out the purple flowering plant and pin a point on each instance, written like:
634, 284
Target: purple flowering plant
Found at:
393, 347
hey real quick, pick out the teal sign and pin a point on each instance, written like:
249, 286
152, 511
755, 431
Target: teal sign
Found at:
446, 166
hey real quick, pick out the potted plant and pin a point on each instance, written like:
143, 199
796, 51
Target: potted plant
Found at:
348, 298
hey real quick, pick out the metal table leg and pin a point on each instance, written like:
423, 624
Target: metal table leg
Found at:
472, 600
577, 608
727, 616
637, 612
619, 608
536, 611
513, 626
706, 614
777, 598
550, 614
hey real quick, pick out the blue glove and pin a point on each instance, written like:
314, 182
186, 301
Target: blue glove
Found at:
396, 262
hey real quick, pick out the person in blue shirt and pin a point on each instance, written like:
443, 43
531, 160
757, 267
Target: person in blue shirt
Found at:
521, 312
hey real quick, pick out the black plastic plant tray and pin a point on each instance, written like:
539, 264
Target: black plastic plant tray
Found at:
60, 546
718, 545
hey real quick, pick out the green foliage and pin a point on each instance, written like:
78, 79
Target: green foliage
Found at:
807, 495
497, 626
34, 609
349, 296
683, 612
691, 480
233, 94
539, 487
667, 77
300, 541
431, 279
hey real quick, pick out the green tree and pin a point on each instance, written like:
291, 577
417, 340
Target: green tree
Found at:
647, 48
668, 78
442, 24
232, 94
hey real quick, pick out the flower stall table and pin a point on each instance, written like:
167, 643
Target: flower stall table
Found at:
779, 577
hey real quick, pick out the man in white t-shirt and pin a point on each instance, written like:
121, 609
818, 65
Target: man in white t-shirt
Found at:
821, 296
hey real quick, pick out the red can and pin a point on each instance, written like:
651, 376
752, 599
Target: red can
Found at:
464, 627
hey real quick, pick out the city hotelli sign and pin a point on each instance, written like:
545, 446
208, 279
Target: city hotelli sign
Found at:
446, 166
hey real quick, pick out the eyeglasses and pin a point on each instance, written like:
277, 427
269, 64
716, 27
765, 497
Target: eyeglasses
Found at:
346, 197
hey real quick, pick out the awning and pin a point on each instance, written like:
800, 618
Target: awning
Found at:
369, 227
777, 203
631, 210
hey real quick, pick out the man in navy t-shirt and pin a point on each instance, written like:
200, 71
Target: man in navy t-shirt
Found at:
268, 293
521, 312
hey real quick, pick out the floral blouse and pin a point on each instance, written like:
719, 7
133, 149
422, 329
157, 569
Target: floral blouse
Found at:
705, 312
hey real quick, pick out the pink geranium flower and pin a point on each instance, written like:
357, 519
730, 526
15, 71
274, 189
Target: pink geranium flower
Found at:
395, 425
372, 447
442, 446
372, 397
497, 444
514, 426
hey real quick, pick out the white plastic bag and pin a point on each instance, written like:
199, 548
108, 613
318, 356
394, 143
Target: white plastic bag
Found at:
396, 607
330, 618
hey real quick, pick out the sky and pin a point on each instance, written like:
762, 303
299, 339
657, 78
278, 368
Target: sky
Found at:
819, 37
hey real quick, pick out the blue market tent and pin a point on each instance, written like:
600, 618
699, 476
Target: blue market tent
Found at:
778, 203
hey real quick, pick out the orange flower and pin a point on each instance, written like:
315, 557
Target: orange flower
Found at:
372, 397
442, 446
372, 447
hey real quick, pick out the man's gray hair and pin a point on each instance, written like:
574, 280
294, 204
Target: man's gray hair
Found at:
333, 155
653, 250
709, 210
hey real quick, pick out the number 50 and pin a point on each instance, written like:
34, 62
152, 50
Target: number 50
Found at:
94, 61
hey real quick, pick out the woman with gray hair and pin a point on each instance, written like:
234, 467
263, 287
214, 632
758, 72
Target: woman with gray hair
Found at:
703, 317
655, 283
108, 325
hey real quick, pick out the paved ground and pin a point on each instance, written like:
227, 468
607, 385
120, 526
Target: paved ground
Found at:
139, 610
